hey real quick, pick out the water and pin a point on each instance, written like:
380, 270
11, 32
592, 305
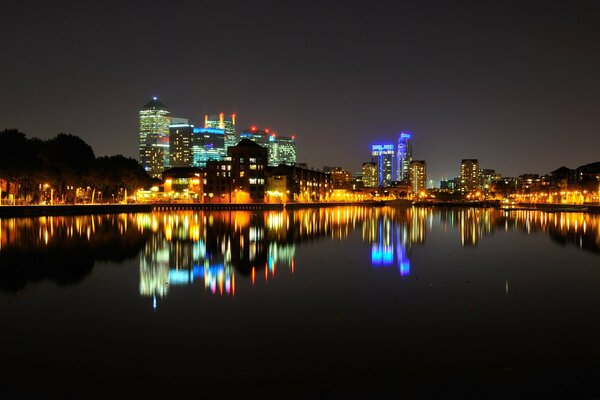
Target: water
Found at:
332, 301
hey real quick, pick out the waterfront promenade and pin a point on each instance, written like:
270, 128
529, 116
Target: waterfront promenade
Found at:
8, 211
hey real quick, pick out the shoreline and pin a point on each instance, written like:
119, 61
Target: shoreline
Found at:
90, 209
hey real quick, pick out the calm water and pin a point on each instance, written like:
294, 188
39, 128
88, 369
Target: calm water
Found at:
332, 301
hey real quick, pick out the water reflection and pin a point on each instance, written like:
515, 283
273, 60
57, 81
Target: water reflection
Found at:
214, 249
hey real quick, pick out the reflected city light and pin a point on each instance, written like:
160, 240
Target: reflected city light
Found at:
214, 250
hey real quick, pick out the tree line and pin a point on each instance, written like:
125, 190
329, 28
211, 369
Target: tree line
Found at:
64, 168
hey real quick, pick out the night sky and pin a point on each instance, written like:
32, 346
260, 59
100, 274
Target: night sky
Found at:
514, 84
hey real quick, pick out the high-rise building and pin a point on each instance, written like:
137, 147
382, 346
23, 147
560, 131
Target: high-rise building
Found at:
383, 155
221, 121
282, 149
285, 150
207, 144
154, 137
403, 156
417, 176
369, 175
180, 145
469, 175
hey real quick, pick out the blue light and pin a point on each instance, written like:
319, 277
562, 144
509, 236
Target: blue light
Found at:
197, 272
214, 131
154, 98
405, 135
180, 277
382, 147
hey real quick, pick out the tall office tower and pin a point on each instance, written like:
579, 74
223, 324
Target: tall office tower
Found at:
417, 176
404, 156
207, 144
180, 144
369, 174
285, 150
282, 149
222, 122
383, 155
469, 175
154, 137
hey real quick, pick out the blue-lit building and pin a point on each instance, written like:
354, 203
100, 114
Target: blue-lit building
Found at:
383, 156
207, 144
403, 156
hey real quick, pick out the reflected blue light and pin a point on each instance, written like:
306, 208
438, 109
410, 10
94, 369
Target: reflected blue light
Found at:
180, 277
198, 272
381, 255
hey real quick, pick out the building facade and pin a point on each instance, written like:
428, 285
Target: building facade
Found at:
221, 121
154, 120
403, 156
180, 145
282, 149
208, 144
369, 175
288, 183
417, 176
469, 176
240, 177
384, 157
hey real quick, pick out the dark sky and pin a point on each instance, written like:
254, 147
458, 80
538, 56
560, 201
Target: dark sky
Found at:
515, 84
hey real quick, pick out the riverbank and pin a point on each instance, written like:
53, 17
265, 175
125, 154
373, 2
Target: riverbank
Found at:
90, 209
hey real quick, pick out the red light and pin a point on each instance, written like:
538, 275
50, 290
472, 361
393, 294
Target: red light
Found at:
267, 130
293, 137
253, 129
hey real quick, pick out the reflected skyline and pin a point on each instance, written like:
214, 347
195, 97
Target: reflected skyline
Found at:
214, 250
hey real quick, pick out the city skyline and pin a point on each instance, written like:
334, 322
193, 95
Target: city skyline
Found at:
479, 81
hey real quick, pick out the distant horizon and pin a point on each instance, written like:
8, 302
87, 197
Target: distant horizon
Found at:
323, 165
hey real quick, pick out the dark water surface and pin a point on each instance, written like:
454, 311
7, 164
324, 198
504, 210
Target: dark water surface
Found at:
332, 302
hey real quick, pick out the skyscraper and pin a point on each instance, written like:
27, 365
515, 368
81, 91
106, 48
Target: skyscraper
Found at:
469, 175
207, 144
417, 176
222, 122
404, 156
180, 145
154, 137
383, 155
282, 149
285, 151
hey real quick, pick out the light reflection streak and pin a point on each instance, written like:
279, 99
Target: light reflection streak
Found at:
210, 248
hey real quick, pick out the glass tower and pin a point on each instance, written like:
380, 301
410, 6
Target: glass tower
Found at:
207, 144
382, 155
180, 145
154, 137
220, 121
404, 156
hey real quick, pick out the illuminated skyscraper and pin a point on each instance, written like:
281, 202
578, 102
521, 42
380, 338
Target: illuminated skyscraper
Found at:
417, 176
404, 156
180, 145
154, 137
222, 122
207, 144
469, 175
383, 155
285, 152
282, 149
